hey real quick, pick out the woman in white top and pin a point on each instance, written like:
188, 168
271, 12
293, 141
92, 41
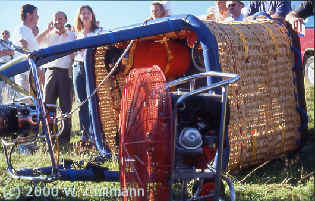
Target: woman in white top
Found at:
85, 26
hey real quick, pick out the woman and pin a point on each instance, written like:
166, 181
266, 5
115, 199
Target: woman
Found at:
85, 26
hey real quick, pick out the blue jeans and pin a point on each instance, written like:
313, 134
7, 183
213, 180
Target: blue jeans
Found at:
79, 83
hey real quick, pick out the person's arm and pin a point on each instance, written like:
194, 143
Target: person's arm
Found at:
282, 9
41, 37
251, 9
6, 53
305, 9
296, 18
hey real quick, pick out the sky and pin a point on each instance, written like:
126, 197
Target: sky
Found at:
111, 14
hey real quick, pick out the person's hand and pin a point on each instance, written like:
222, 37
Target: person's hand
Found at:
296, 22
50, 26
10, 52
23, 43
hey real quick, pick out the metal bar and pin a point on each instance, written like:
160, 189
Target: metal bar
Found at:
221, 141
204, 89
231, 187
192, 85
183, 80
42, 114
87, 174
61, 122
15, 86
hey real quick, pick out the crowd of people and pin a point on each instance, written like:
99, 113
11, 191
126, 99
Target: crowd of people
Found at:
59, 84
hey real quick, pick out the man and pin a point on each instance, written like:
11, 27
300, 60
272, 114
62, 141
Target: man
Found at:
234, 9
5, 56
57, 81
158, 10
296, 18
276, 9
5, 53
24, 37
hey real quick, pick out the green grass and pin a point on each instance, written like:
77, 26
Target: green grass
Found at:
290, 178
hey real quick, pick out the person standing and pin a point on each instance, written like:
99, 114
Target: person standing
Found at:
85, 26
5, 56
5, 53
218, 12
235, 11
58, 84
158, 10
276, 9
24, 37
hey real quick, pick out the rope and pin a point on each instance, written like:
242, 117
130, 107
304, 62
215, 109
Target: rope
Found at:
68, 115
243, 38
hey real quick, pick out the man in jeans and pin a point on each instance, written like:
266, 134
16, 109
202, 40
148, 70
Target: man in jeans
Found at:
57, 81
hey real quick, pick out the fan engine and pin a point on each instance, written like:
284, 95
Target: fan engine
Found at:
18, 119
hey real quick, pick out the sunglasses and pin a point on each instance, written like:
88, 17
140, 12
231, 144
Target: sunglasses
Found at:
231, 5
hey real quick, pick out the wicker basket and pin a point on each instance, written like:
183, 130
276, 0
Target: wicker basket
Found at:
264, 119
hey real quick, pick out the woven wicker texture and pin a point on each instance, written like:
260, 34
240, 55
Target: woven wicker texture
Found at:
109, 96
264, 121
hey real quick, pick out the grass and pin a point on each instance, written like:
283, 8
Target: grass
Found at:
290, 178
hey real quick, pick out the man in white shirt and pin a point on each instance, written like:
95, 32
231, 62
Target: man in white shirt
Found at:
235, 11
57, 81
5, 53
24, 37
6, 93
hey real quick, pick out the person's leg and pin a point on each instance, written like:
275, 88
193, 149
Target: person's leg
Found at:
1, 92
79, 84
22, 81
50, 92
64, 87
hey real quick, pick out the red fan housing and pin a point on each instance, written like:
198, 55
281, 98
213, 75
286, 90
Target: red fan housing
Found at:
146, 142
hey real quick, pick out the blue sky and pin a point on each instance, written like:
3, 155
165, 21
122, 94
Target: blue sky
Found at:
111, 14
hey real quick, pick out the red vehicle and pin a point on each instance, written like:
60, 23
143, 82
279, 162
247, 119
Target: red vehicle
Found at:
307, 50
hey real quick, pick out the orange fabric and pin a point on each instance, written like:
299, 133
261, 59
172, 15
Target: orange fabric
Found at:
191, 39
171, 56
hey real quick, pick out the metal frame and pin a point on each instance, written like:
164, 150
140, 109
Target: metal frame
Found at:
217, 173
